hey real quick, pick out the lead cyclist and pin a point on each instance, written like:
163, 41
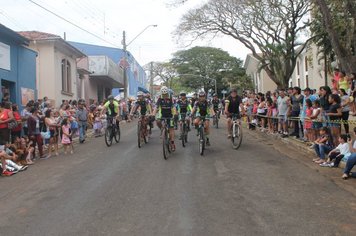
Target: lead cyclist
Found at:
233, 105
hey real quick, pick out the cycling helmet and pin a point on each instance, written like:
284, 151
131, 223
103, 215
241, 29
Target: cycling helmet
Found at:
164, 90
215, 95
183, 93
202, 94
111, 97
139, 93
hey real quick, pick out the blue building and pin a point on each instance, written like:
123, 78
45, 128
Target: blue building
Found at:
17, 67
136, 75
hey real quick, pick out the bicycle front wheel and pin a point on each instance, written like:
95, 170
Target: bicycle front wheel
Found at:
108, 136
117, 135
183, 134
201, 141
236, 138
164, 144
139, 134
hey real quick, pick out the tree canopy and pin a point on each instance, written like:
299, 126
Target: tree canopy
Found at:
271, 29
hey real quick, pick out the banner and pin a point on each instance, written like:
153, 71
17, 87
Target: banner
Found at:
27, 95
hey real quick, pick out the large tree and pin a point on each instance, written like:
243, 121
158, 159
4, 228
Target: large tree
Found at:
202, 67
335, 24
271, 29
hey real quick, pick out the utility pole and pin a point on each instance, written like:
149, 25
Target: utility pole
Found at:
151, 78
125, 64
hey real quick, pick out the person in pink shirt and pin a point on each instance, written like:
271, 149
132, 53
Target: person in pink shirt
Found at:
335, 79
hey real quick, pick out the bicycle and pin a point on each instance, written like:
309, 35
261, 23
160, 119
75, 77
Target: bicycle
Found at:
201, 135
112, 131
166, 144
236, 137
142, 131
216, 119
184, 130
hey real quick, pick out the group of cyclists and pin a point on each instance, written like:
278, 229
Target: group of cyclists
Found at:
193, 110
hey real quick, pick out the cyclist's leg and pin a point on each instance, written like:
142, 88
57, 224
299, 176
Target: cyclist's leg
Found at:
207, 131
196, 122
229, 126
159, 123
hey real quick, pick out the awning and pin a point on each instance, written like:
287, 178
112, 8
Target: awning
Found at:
143, 90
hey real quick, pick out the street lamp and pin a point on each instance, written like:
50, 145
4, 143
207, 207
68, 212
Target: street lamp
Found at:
125, 51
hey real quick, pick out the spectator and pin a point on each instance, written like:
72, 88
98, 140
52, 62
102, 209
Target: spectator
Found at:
6, 116
325, 93
16, 132
323, 145
336, 78
345, 105
308, 124
341, 151
307, 95
82, 116
344, 82
5, 98
353, 93
25, 113
297, 101
334, 115
283, 107
316, 117
351, 161
66, 136
33, 123
261, 110
52, 126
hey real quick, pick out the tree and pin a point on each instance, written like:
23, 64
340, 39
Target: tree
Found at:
199, 68
269, 28
335, 25
165, 72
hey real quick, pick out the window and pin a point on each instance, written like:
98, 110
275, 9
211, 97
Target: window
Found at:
66, 76
306, 63
298, 82
307, 80
298, 68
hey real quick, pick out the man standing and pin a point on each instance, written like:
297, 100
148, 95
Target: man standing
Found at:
283, 107
82, 116
297, 101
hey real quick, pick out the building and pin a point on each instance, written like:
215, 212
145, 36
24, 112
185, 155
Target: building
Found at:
309, 70
17, 67
261, 80
56, 66
117, 63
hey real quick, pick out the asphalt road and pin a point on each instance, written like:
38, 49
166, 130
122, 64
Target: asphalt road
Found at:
123, 190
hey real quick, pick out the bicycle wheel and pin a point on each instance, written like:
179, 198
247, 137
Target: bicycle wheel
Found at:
201, 141
139, 134
183, 134
216, 122
144, 134
186, 134
164, 144
108, 136
117, 135
236, 138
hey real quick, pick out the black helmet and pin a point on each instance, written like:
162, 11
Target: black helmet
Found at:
182, 94
111, 97
202, 94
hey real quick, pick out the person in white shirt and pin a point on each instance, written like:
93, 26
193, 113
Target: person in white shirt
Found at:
341, 151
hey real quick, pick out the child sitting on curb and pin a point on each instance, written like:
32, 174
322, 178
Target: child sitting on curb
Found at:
341, 151
322, 145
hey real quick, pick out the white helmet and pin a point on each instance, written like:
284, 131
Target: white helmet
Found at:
164, 90
139, 93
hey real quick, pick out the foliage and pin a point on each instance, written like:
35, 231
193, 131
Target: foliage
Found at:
199, 67
334, 25
272, 27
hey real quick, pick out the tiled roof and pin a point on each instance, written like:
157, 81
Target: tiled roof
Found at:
37, 35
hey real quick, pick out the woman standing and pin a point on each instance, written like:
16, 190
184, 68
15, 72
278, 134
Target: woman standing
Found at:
33, 123
345, 104
334, 114
16, 132
343, 81
52, 126
6, 116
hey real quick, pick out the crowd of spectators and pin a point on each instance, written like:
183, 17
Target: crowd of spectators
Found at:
318, 117
37, 131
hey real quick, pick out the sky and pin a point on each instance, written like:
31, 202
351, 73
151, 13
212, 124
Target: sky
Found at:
107, 19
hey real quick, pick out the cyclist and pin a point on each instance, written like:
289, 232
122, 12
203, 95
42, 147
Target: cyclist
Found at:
203, 109
112, 109
142, 104
150, 118
216, 104
184, 109
165, 109
233, 105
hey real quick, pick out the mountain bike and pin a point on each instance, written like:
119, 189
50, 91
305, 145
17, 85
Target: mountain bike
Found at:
112, 131
236, 137
216, 119
184, 130
142, 136
166, 144
201, 135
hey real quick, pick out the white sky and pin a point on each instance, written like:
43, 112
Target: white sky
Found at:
156, 44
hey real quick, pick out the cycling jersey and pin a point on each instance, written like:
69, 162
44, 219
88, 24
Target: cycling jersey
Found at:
216, 103
165, 107
202, 108
233, 104
112, 108
144, 106
184, 107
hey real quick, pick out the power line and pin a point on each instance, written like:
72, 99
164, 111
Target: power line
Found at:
79, 27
